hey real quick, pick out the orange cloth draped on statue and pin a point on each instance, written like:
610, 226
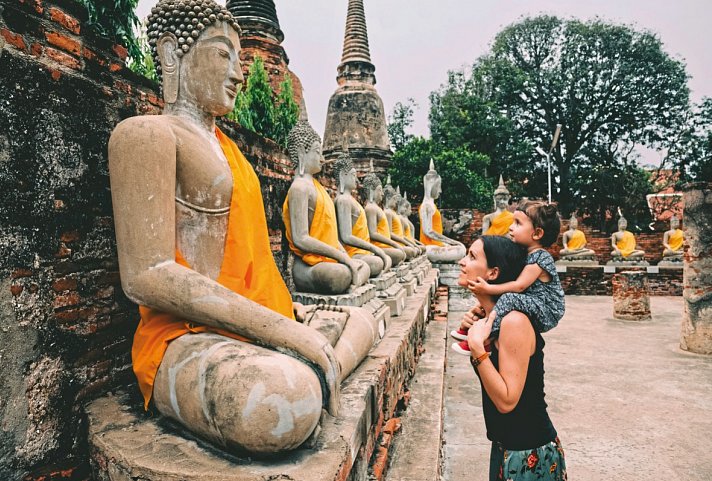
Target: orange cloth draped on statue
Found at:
577, 240
383, 229
360, 230
408, 232
500, 224
627, 243
437, 227
675, 240
248, 268
397, 227
323, 226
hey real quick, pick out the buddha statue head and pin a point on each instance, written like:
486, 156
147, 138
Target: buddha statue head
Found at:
573, 222
501, 196
373, 186
674, 223
196, 46
304, 145
345, 172
404, 204
389, 195
622, 223
432, 182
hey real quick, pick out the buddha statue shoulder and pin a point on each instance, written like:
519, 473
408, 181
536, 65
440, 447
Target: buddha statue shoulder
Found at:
673, 241
321, 263
376, 220
351, 216
217, 340
624, 244
390, 202
574, 243
439, 247
498, 222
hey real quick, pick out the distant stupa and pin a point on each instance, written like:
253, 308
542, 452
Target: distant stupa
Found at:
356, 118
262, 35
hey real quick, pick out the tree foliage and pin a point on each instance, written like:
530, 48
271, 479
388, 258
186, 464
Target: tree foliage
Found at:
398, 123
116, 20
258, 109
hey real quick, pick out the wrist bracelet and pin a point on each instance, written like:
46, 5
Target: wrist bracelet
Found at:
476, 361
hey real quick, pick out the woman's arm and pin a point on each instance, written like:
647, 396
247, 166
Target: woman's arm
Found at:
516, 345
530, 273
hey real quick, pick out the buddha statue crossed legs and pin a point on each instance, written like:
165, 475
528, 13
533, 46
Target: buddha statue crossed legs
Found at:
574, 242
624, 245
673, 241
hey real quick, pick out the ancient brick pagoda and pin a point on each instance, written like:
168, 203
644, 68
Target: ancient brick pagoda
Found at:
262, 35
356, 118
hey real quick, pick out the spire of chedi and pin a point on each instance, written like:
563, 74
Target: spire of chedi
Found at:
256, 17
356, 119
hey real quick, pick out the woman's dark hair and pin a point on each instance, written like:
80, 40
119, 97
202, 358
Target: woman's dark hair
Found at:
503, 253
545, 217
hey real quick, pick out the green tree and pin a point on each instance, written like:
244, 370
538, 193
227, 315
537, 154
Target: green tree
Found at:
286, 112
399, 121
691, 153
258, 102
608, 85
116, 20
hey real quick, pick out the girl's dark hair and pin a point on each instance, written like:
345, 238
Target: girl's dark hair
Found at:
503, 253
545, 217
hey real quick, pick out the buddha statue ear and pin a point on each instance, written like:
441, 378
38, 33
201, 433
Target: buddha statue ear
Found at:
167, 47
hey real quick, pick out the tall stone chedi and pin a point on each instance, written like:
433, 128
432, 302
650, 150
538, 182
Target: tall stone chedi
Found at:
356, 119
262, 35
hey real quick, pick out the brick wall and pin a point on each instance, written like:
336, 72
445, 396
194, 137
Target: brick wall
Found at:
66, 325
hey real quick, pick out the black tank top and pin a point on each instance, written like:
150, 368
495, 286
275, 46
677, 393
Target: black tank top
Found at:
527, 426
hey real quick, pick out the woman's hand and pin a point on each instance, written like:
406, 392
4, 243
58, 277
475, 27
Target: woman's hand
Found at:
480, 286
472, 316
478, 335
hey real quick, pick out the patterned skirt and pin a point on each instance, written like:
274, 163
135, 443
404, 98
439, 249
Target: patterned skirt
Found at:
543, 463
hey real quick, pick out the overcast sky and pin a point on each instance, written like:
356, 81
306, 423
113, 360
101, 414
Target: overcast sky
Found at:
415, 42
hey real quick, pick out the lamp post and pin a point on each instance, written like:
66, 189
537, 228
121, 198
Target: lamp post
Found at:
541, 152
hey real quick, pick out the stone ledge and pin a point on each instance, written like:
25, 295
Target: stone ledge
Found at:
127, 445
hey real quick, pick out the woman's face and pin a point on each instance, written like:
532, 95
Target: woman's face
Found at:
474, 264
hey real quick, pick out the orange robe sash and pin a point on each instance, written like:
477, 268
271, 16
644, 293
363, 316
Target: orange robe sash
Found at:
627, 244
437, 227
408, 232
248, 268
360, 230
323, 226
500, 224
577, 240
383, 229
675, 240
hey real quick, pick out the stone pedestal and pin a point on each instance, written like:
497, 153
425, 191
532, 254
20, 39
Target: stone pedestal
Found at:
696, 333
363, 296
621, 262
671, 262
389, 290
631, 299
580, 261
449, 273
406, 278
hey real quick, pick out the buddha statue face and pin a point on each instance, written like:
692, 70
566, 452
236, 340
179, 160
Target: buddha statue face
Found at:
311, 158
573, 223
348, 180
436, 188
501, 201
378, 194
674, 223
403, 207
622, 224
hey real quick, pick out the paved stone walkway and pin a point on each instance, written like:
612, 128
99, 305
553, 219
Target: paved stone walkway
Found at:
627, 403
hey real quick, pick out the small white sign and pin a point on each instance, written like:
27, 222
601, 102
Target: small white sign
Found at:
609, 269
653, 269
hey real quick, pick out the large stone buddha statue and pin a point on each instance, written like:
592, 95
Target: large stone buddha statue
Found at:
404, 210
673, 241
624, 245
217, 348
574, 242
498, 222
376, 220
390, 203
353, 227
321, 263
439, 248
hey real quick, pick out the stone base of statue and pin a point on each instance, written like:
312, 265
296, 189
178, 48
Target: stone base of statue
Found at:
127, 443
449, 273
364, 296
577, 261
622, 262
421, 265
389, 290
672, 262
404, 272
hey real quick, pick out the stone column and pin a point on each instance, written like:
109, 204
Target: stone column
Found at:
631, 301
696, 335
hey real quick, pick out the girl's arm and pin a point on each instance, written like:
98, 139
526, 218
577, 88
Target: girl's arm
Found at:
530, 273
516, 345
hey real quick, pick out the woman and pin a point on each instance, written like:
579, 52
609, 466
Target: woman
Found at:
525, 445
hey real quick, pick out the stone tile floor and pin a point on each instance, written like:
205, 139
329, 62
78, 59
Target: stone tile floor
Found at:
628, 404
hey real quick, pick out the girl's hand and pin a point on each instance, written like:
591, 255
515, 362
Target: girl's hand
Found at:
478, 335
479, 286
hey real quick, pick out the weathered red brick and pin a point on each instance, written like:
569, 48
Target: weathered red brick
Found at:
13, 38
65, 20
18, 273
68, 316
64, 42
64, 284
16, 289
35, 4
379, 464
70, 236
72, 298
63, 251
121, 51
115, 67
64, 59
36, 49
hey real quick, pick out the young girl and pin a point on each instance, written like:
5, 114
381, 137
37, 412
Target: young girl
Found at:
537, 291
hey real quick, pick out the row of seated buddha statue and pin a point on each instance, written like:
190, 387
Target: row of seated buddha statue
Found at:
221, 349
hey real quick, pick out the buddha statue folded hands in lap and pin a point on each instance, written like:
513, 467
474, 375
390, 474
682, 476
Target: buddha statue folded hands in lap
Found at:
673, 241
390, 202
574, 242
624, 244
498, 222
217, 348
439, 248
353, 227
